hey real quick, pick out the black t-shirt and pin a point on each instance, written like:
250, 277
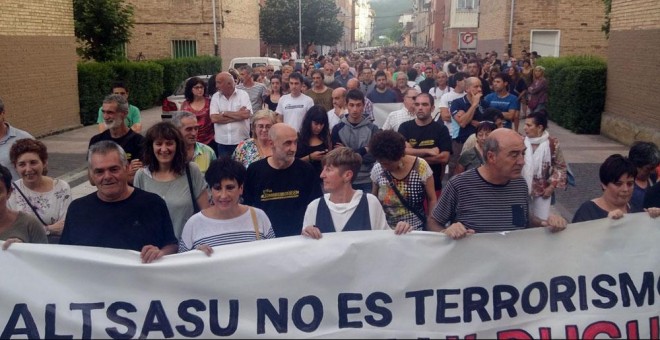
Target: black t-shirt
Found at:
131, 142
283, 194
652, 197
427, 137
141, 219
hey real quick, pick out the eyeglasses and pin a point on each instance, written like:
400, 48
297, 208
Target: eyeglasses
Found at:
198, 87
486, 122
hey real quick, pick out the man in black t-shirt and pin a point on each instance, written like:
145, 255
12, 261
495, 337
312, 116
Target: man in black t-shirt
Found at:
282, 185
114, 110
427, 138
118, 215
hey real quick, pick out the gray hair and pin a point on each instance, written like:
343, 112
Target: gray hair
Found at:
401, 75
2, 106
122, 104
248, 68
490, 144
177, 116
261, 114
105, 147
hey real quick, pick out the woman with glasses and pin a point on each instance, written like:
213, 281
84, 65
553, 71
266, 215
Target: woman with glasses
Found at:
256, 148
226, 221
276, 92
474, 157
198, 102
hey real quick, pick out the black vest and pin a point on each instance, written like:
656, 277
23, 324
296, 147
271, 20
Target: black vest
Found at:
360, 220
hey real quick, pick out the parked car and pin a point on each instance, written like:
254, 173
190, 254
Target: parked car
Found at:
173, 102
236, 63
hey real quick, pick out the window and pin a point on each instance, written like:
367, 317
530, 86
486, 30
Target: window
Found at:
467, 4
184, 48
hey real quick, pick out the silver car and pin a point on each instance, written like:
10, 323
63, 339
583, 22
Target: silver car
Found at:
174, 102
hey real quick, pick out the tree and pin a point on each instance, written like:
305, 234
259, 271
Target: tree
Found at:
395, 33
102, 27
278, 22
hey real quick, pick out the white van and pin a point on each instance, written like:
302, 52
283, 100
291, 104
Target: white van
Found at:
254, 62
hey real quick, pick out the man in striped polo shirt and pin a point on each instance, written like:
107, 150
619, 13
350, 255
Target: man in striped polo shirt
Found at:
493, 197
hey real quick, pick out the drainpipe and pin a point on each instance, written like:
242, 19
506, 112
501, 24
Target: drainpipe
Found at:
215, 31
509, 47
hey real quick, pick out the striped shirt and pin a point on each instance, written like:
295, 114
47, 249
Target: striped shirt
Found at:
214, 232
482, 206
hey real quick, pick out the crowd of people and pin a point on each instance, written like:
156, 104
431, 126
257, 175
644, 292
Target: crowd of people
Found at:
259, 153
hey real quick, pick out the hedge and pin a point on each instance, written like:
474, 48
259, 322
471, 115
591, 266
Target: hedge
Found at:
576, 96
148, 81
178, 70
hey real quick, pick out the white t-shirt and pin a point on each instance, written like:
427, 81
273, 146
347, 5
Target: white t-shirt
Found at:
293, 109
396, 118
342, 212
445, 102
234, 132
333, 119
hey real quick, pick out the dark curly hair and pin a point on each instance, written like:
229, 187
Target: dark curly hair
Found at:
225, 168
614, 167
387, 145
26, 145
188, 93
167, 131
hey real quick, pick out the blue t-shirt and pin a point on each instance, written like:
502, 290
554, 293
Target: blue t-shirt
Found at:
503, 104
463, 104
388, 96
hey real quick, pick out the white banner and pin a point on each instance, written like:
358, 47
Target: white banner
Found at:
596, 279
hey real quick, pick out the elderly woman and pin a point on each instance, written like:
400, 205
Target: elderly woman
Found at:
617, 177
16, 226
198, 102
226, 221
167, 173
36, 194
401, 182
343, 208
545, 167
474, 157
537, 91
645, 156
254, 149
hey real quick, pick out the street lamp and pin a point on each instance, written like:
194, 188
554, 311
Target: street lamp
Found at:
300, 54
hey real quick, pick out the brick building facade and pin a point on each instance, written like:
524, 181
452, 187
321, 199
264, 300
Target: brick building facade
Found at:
38, 75
633, 70
167, 29
551, 27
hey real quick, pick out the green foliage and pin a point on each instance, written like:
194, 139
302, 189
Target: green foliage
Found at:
576, 96
395, 33
606, 25
178, 70
278, 22
148, 81
102, 27
144, 80
94, 80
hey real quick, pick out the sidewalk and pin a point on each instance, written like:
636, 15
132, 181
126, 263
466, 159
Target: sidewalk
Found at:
67, 152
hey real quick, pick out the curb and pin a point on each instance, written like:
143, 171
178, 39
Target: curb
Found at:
75, 177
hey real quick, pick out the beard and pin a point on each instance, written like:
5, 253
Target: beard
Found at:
328, 79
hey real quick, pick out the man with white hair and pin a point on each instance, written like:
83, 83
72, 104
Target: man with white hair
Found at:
344, 75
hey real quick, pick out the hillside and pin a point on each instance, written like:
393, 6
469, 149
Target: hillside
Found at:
387, 14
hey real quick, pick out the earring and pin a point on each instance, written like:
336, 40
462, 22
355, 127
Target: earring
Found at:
401, 165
